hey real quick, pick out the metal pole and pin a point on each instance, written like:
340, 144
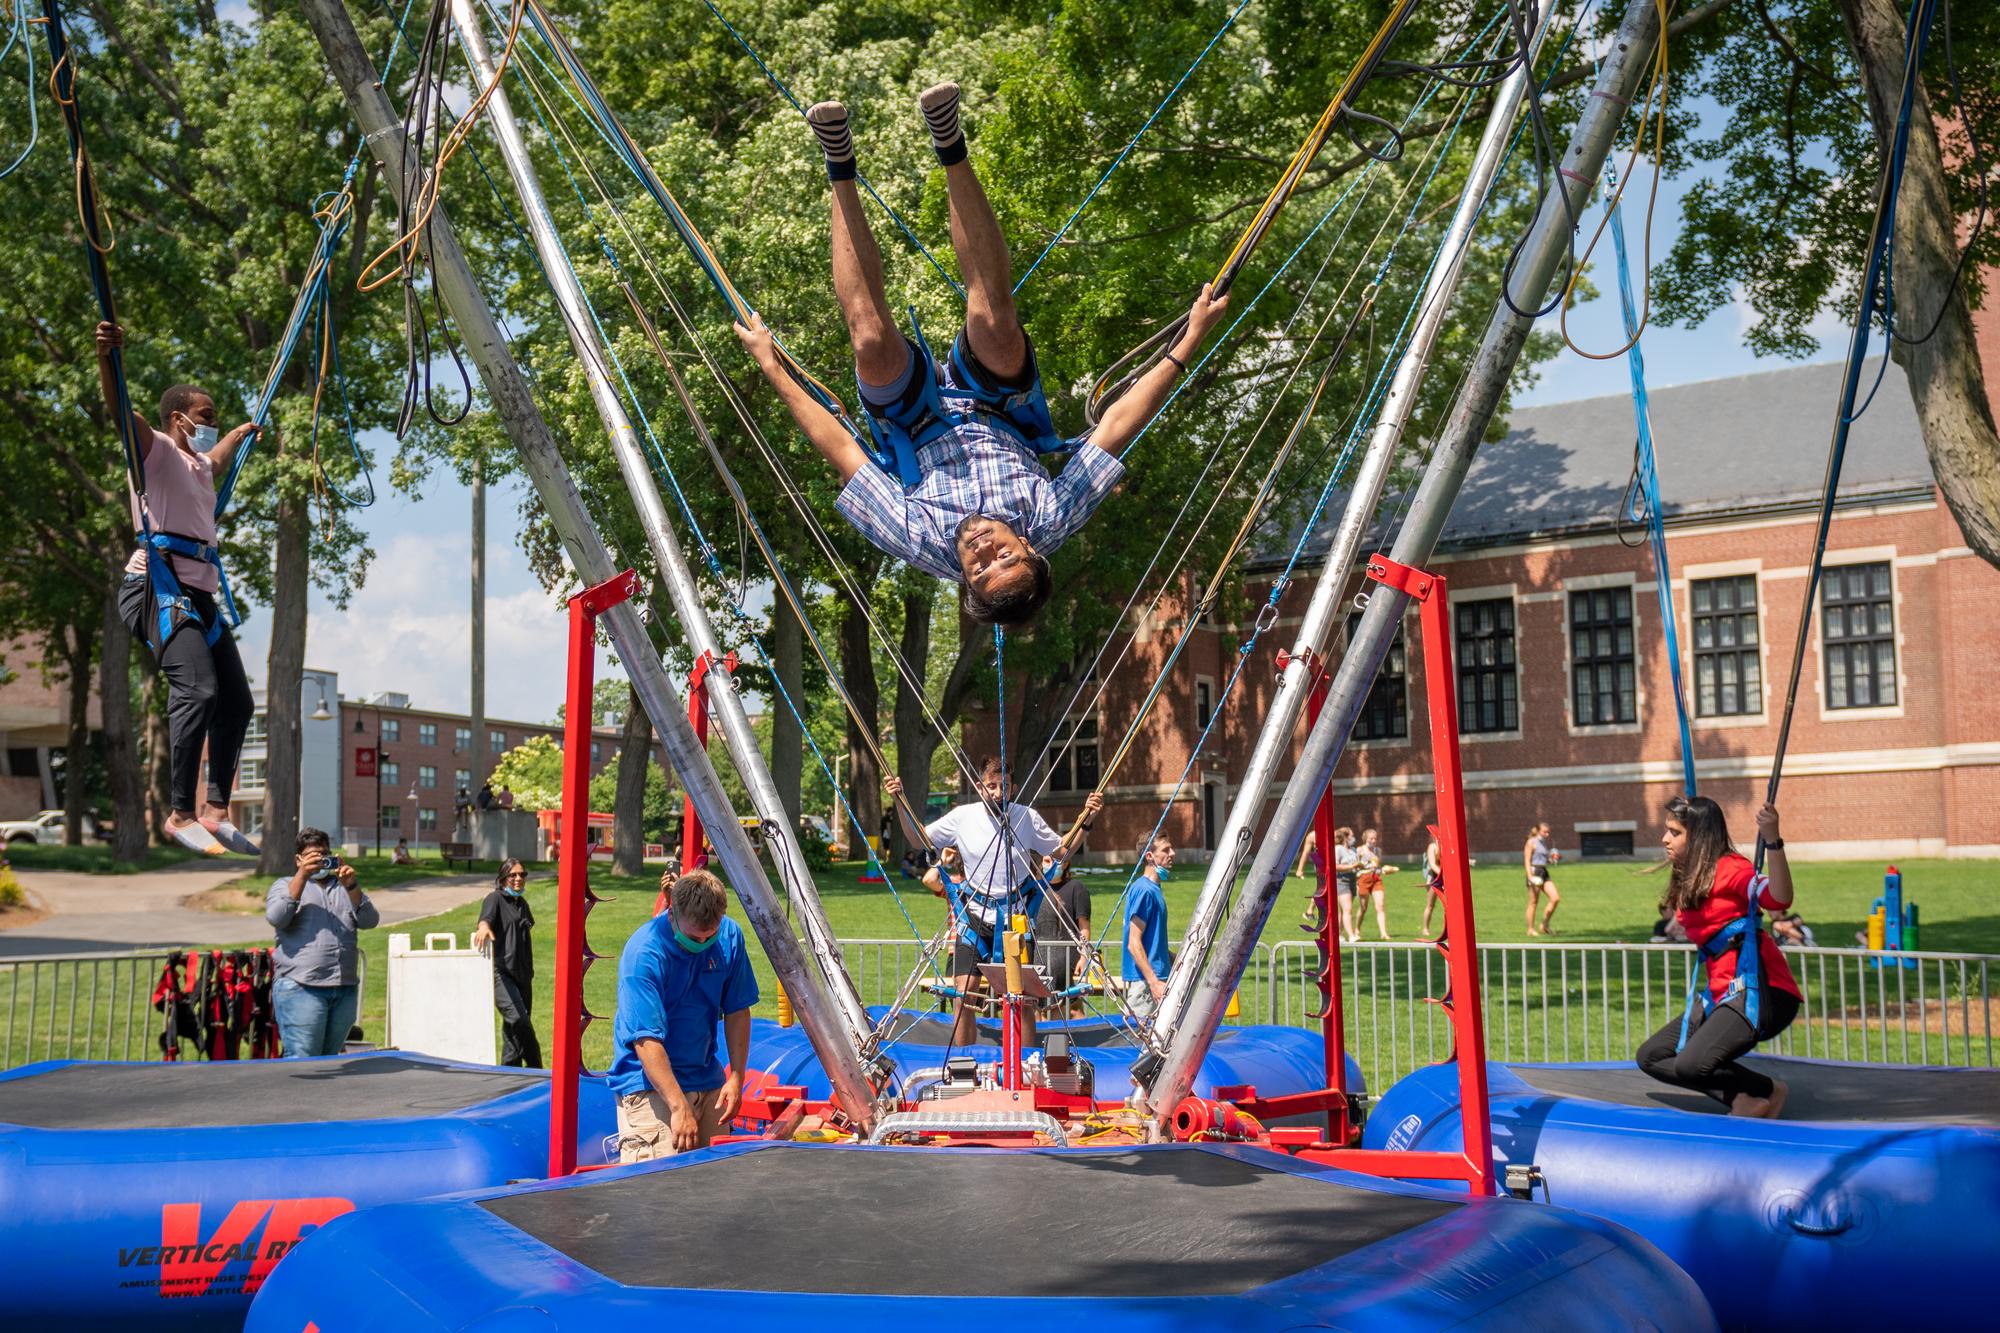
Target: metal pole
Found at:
1486, 380
689, 606
1274, 742
514, 402
477, 758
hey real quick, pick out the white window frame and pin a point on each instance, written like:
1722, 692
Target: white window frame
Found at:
1597, 583
1492, 593
1683, 587
1862, 555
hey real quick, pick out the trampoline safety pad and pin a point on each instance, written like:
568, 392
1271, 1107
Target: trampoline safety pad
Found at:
1158, 1223
248, 1092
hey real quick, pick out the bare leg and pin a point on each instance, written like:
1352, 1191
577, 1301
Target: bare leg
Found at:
965, 1028
1532, 895
1554, 900
1430, 903
879, 350
1382, 912
991, 324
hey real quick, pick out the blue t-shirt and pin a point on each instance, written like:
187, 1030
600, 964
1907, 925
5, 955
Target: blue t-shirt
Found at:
678, 998
1145, 904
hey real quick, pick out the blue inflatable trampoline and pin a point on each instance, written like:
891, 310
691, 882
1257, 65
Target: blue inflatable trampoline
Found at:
831, 1238
1875, 1201
162, 1195
1275, 1060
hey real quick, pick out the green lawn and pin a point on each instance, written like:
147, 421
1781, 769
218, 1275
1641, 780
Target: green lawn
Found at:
1602, 902
91, 858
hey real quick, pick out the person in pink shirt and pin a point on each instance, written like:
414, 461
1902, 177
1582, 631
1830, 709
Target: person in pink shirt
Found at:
208, 696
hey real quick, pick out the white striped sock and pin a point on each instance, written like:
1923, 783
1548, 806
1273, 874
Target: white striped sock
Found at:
836, 140
940, 107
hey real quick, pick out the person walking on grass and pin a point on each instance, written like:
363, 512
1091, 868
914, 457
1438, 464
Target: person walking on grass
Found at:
1537, 858
1346, 867
1370, 868
507, 927
955, 485
1718, 896
1433, 882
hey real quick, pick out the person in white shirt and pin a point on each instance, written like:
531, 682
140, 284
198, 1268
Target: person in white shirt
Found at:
1002, 857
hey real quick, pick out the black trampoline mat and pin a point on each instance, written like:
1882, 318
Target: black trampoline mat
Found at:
199, 1094
1818, 1091
1166, 1222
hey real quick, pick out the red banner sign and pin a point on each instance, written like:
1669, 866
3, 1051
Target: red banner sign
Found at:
364, 761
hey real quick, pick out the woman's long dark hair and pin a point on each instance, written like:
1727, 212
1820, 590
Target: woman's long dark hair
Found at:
1708, 842
507, 867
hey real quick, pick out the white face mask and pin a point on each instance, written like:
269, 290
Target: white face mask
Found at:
203, 439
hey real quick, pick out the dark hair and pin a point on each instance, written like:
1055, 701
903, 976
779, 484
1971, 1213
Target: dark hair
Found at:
180, 398
1708, 842
507, 867
1019, 604
992, 766
312, 837
1147, 844
699, 900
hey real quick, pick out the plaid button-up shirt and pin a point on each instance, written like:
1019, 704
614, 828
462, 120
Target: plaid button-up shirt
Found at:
981, 468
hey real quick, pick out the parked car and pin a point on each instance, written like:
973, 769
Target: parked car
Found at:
45, 829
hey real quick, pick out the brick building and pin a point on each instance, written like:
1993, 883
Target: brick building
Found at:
1565, 687
427, 752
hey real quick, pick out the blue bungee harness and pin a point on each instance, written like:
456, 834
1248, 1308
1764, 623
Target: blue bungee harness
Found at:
1746, 934
1024, 413
170, 598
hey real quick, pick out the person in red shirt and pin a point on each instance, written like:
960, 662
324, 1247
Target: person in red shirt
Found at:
1712, 886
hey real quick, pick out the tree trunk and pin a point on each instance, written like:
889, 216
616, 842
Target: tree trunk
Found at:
1946, 382
788, 755
1039, 728
628, 819
285, 669
916, 741
159, 749
78, 642
857, 667
122, 771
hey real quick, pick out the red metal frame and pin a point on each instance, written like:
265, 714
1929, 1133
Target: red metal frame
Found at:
573, 896
1459, 945
1332, 1023
691, 831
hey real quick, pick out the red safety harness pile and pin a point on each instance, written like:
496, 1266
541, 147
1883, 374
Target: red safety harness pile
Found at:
225, 1001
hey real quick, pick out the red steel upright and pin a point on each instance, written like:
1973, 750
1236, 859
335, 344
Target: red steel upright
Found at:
573, 896
1459, 944
691, 830
1333, 1032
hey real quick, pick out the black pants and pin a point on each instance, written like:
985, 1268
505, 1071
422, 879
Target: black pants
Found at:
208, 696
518, 1043
1715, 1040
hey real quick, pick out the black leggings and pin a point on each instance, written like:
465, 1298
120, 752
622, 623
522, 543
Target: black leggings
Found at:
208, 696
518, 1043
1715, 1040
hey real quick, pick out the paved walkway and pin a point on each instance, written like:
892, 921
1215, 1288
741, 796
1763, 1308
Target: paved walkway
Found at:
115, 913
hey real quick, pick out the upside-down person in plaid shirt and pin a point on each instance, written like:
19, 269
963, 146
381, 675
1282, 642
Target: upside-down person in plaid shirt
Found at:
955, 486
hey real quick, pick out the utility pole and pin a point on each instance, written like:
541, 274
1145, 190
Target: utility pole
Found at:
780, 833
1322, 617
1506, 333
514, 403
478, 756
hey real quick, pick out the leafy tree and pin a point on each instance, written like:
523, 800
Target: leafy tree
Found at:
533, 771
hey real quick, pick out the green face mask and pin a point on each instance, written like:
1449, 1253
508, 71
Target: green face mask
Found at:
693, 945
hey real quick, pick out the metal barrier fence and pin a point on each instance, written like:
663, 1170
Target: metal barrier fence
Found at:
1543, 1002
85, 1006
1565, 1002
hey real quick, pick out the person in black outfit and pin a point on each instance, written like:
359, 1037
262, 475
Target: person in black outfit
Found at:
507, 925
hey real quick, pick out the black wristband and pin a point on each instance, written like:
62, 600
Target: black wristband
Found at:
1776, 845
1169, 356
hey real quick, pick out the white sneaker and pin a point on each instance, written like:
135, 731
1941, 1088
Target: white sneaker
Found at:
196, 839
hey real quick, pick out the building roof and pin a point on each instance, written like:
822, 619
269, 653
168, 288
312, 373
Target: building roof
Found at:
1749, 444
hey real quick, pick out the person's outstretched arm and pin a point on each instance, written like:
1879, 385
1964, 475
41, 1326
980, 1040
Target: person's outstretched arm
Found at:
821, 427
111, 336
1777, 870
1125, 418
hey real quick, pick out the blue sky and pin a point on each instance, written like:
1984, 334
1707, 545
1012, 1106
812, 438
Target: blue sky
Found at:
406, 630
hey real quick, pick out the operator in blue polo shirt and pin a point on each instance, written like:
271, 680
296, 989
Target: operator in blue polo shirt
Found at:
1147, 961
680, 975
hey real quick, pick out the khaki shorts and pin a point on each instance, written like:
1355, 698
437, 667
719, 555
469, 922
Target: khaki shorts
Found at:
644, 1132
